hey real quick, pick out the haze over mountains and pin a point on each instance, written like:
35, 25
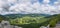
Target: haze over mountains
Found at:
29, 7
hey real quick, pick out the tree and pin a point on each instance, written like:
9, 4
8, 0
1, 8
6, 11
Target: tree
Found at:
1, 18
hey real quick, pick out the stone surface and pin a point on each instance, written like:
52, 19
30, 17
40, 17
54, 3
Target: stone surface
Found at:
6, 24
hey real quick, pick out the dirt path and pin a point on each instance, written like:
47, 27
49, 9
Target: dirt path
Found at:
57, 25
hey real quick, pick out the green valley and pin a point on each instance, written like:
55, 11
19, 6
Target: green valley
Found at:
31, 20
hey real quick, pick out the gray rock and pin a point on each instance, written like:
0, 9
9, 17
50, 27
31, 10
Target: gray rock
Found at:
6, 24
20, 27
16, 27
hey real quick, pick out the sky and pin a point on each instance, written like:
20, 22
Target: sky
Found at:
29, 7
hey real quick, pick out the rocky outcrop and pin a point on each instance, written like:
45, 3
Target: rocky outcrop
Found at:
6, 24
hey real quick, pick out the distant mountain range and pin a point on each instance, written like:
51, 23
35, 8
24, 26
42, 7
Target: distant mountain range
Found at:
14, 16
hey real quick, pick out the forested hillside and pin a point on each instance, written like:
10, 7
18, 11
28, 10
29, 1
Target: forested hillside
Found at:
31, 20
54, 19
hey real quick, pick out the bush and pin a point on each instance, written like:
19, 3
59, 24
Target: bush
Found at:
53, 23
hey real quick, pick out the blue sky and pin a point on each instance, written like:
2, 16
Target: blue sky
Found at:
51, 1
30, 6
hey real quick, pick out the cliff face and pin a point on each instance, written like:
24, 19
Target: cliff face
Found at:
6, 24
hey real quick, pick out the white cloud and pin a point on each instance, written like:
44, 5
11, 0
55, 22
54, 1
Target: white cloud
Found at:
46, 1
26, 7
